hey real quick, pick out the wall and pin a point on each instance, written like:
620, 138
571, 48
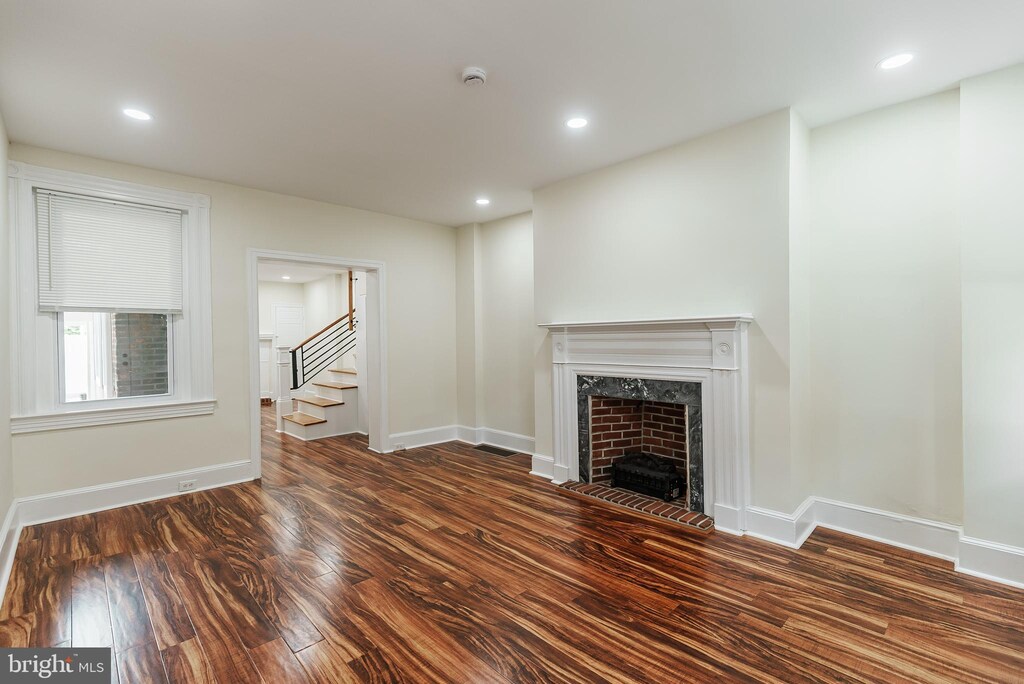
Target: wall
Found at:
800, 288
421, 329
697, 229
468, 321
6, 462
497, 335
509, 336
272, 293
324, 301
885, 307
992, 181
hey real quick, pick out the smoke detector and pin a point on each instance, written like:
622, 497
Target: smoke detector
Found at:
473, 76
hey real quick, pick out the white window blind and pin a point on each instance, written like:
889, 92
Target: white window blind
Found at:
97, 254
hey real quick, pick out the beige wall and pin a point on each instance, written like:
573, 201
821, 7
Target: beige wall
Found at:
992, 187
885, 333
6, 467
274, 293
325, 301
421, 330
800, 288
497, 336
510, 337
468, 321
697, 229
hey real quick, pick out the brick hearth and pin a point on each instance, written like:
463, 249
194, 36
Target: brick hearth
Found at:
643, 504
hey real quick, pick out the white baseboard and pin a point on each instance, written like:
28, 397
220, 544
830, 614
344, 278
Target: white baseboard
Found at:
792, 529
499, 438
992, 561
9, 534
788, 529
313, 439
462, 433
32, 510
422, 438
543, 466
727, 519
981, 558
915, 534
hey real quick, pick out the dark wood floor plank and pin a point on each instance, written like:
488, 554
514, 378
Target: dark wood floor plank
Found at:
446, 564
40, 585
325, 664
325, 609
291, 623
114, 531
16, 632
141, 665
167, 612
173, 527
129, 615
221, 644
227, 599
277, 664
22, 586
377, 667
429, 652
90, 611
185, 663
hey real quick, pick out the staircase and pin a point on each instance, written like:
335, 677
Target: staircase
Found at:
326, 404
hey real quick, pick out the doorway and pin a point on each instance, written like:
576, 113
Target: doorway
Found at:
372, 363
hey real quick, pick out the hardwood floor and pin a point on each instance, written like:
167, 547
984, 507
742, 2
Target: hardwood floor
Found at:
447, 564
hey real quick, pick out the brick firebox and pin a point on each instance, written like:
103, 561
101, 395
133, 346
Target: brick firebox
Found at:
623, 426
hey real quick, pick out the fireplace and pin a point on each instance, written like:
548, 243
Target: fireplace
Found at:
624, 417
699, 363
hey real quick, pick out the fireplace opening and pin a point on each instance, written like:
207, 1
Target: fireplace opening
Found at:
648, 474
639, 445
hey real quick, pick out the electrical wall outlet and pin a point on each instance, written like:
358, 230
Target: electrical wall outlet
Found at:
399, 447
186, 485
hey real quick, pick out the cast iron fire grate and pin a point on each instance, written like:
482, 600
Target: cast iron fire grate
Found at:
648, 474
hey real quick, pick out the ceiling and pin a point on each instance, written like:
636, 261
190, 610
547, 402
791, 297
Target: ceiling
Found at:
274, 271
361, 103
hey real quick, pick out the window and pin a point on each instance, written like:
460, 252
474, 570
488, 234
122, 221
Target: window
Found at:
111, 355
113, 301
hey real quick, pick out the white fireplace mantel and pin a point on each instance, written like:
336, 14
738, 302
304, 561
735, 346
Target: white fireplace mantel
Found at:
709, 350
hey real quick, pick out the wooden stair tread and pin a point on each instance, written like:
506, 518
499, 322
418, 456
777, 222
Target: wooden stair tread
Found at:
321, 401
336, 385
304, 419
346, 371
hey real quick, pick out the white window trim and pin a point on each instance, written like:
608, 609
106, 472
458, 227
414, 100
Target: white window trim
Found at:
35, 404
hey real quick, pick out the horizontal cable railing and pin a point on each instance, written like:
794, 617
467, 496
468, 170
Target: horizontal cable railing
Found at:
320, 350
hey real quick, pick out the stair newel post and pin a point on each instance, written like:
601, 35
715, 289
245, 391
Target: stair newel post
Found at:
283, 400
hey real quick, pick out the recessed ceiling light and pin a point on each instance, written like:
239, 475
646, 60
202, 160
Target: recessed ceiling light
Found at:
137, 114
483, 201
576, 122
286, 277
896, 61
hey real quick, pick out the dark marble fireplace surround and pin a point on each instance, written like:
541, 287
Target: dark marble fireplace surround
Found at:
640, 389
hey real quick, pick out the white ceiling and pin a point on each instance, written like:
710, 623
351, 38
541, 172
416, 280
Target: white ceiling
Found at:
273, 271
361, 103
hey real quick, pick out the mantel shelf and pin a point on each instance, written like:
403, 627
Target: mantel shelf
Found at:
734, 319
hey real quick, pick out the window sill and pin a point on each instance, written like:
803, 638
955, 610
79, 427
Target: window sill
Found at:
110, 416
